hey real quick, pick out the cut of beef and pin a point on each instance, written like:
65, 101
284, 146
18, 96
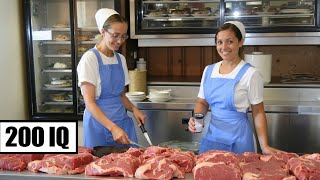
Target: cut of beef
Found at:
114, 164
217, 156
278, 157
249, 157
216, 171
264, 170
15, 162
305, 169
135, 151
12, 164
184, 160
82, 149
159, 167
314, 156
61, 163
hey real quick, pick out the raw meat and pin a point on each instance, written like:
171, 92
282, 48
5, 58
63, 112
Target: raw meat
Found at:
17, 162
159, 167
284, 157
217, 156
184, 159
114, 164
216, 171
12, 164
264, 170
135, 151
61, 163
303, 168
249, 157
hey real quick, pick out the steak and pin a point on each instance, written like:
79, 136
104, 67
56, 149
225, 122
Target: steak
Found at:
61, 163
17, 162
264, 170
216, 171
304, 169
114, 164
135, 152
159, 167
249, 157
217, 156
284, 157
12, 164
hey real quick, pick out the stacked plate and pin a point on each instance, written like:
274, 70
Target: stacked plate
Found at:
159, 95
136, 96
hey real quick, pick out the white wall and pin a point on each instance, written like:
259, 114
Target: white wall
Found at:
13, 85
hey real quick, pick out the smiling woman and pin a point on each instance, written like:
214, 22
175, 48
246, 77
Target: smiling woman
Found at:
229, 88
103, 75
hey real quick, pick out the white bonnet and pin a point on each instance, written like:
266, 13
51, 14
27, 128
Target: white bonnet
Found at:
240, 26
102, 15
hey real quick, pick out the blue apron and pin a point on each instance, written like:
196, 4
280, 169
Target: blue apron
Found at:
112, 85
228, 129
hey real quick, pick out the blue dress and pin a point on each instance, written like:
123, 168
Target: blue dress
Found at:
112, 85
228, 129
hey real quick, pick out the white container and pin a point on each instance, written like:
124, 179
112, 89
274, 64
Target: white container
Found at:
141, 64
198, 121
262, 62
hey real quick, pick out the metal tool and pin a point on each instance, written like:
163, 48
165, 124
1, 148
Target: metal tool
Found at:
134, 143
144, 131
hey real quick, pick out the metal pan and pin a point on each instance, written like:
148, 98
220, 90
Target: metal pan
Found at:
100, 151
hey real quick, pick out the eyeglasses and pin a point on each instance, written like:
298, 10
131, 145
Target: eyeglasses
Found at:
118, 37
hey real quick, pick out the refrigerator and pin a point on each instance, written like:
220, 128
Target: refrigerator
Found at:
57, 33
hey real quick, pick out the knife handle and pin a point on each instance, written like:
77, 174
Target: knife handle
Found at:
142, 128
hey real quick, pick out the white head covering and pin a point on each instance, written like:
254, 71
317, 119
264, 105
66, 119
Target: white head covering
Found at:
240, 26
102, 15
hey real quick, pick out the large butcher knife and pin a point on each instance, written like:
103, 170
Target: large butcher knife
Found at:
144, 131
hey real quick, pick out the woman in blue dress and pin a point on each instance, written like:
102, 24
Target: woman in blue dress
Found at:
102, 76
229, 88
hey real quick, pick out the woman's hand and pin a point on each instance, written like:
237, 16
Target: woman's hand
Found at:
191, 125
139, 115
271, 150
119, 135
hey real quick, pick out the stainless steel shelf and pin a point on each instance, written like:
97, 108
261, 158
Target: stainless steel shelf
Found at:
57, 70
57, 88
58, 103
57, 55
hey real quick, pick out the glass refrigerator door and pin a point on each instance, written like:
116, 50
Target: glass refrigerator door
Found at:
52, 56
87, 34
174, 16
272, 13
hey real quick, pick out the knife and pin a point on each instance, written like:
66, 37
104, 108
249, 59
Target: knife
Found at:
134, 143
144, 131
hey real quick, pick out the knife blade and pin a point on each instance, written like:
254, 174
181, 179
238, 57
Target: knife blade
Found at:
134, 143
144, 131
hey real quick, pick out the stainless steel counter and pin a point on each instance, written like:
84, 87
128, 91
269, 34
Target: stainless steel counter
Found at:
300, 107
293, 116
27, 175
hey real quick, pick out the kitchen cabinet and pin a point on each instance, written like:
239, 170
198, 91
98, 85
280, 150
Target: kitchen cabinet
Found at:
168, 125
57, 33
193, 19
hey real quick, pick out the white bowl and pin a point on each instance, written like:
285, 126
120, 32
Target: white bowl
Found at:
135, 94
158, 99
163, 90
56, 82
159, 94
137, 99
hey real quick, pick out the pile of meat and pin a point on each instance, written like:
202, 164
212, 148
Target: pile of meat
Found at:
167, 163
